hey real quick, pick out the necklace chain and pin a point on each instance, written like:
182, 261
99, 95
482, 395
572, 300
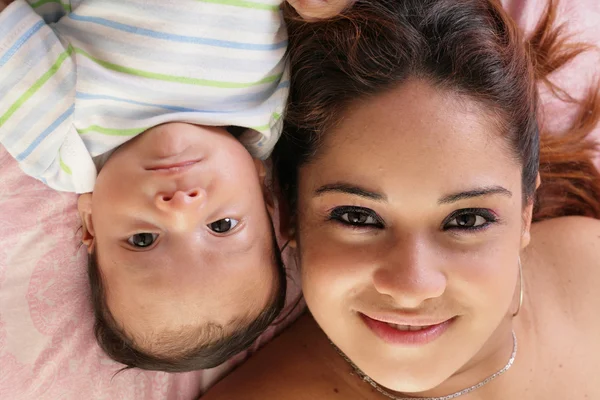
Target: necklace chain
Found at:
389, 395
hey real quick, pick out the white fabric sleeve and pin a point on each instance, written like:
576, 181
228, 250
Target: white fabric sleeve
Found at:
37, 96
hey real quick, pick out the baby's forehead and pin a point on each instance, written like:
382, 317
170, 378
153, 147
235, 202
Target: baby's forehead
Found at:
192, 336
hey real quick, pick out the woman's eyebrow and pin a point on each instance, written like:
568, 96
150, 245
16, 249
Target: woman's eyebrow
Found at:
341, 187
477, 192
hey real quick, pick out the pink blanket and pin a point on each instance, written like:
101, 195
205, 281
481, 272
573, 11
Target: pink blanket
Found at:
47, 350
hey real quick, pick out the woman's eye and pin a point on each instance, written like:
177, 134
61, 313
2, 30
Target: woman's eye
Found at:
223, 225
355, 216
142, 240
471, 220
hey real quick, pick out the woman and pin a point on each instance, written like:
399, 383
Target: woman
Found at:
412, 172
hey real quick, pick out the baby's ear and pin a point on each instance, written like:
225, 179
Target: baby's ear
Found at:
84, 205
286, 219
261, 169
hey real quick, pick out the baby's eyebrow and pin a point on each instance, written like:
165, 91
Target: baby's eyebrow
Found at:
477, 192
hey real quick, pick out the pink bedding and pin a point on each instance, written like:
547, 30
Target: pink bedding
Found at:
47, 350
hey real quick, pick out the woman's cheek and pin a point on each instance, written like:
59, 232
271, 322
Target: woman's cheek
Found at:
484, 276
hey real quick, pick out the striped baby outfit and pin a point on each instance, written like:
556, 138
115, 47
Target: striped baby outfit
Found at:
79, 78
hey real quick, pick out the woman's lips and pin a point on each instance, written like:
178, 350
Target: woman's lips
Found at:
407, 333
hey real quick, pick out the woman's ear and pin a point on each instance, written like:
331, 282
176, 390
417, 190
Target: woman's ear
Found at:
84, 205
527, 217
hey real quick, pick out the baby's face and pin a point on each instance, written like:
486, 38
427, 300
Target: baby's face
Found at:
179, 225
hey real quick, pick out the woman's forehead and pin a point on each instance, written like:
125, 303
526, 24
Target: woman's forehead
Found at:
416, 116
417, 133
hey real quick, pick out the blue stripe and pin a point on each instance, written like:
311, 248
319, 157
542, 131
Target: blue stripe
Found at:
177, 38
251, 22
88, 96
43, 106
143, 51
20, 42
37, 52
147, 114
14, 19
98, 80
45, 133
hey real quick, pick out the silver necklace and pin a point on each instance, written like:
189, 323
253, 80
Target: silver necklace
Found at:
387, 394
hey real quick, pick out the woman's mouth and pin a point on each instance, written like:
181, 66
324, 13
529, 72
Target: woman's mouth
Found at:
408, 334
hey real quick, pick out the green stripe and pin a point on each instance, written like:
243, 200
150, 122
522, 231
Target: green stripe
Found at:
111, 131
179, 79
244, 4
36, 86
66, 7
261, 128
64, 166
266, 127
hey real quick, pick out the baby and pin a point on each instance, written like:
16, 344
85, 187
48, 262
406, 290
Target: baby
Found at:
159, 113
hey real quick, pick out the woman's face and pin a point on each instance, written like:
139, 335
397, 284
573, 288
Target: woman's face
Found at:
410, 223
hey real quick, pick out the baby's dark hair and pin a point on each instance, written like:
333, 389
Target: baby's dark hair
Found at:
190, 348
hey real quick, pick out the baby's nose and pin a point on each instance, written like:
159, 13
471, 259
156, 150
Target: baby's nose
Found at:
181, 200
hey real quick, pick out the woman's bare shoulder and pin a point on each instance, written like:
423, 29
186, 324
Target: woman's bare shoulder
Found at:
297, 365
566, 251
568, 239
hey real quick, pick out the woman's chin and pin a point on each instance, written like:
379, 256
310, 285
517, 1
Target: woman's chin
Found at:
415, 386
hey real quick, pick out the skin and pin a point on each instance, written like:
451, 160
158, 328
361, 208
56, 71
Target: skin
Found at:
423, 145
319, 9
187, 272
185, 266
416, 263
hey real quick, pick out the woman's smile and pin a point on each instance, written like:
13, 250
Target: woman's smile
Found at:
407, 332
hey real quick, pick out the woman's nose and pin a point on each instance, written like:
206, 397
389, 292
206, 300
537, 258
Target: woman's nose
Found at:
410, 276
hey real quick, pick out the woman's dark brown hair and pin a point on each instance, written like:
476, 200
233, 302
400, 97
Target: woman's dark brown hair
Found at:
471, 47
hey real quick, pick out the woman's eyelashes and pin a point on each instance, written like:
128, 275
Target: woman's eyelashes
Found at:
466, 220
356, 217
470, 220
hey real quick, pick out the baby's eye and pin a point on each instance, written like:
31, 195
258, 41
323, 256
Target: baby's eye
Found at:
142, 240
223, 225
